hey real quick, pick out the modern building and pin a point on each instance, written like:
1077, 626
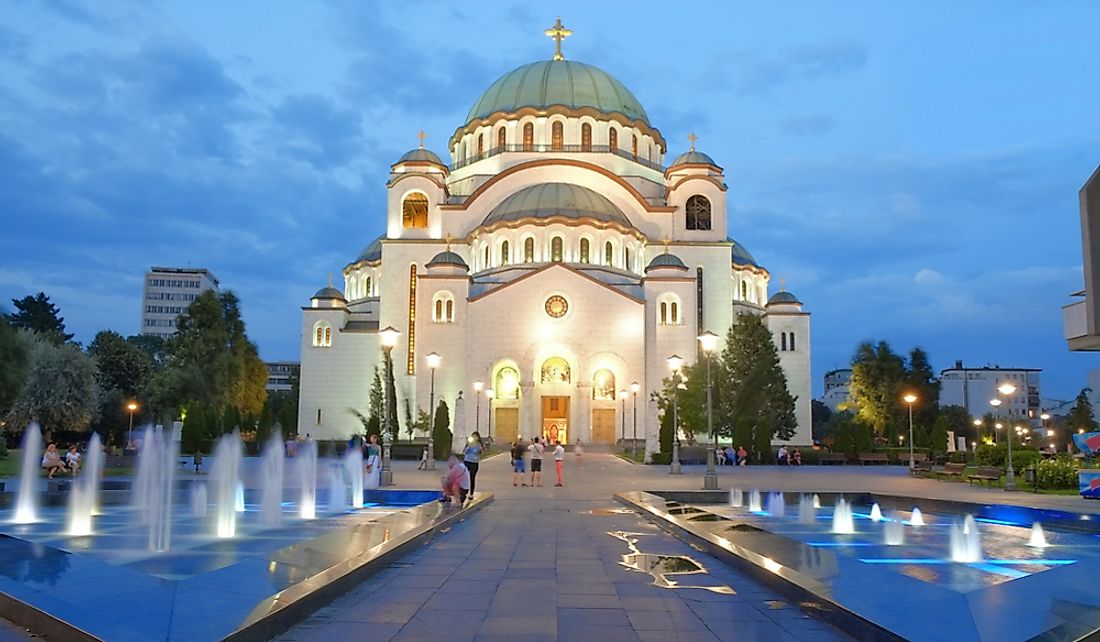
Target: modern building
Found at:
974, 388
1081, 319
837, 383
557, 260
281, 375
167, 293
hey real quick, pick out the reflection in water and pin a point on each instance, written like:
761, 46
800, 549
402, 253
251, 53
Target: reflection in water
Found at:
663, 566
32, 562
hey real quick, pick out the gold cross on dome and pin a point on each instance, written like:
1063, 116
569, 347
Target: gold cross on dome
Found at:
448, 241
558, 32
692, 137
782, 284
421, 136
666, 242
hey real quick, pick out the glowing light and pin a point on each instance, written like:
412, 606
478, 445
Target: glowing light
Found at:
1006, 389
709, 341
910, 398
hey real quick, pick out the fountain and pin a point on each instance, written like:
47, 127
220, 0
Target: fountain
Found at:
817, 501
806, 512
158, 457
82, 494
238, 497
338, 492
777, 507
353, 464
224, 481
737, 498
916, 518
843, 524
271, 470
966, 543
1038, 536
754, 501
876, 513
894, 532
26, 504
198, 499
307, 470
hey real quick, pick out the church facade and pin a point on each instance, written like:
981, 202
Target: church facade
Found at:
553, 265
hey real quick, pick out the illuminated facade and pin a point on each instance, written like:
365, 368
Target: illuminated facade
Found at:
556, 258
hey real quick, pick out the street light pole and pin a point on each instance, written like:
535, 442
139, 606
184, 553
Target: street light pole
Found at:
634, 387
130, 434
433, 363
708, 341
675, 363
477, 413
622, 421
1007, 389
389, 339
909, 399
490, 394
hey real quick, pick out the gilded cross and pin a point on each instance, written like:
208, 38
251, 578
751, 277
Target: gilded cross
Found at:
421, 136
558, 32
666, 241
448, 241
782, 284
692, 137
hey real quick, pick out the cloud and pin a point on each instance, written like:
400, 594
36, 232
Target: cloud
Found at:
928, 277
315, 129
762, 74
808, 124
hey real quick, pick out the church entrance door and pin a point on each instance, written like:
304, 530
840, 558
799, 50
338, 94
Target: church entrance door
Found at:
555, 419
603, 425
506, 425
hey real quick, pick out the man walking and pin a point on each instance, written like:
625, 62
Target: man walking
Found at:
559, 463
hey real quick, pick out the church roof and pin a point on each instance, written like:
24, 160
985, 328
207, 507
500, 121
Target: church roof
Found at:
371, 253
557, 82
741, 256
420, 155
546, 200
693, 157
784, 297
666, 260
447, 258
328, 292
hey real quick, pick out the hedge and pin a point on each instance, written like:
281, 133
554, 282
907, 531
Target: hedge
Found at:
1056, 473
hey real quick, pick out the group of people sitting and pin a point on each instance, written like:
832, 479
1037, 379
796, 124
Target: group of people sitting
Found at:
729, 457
53, 462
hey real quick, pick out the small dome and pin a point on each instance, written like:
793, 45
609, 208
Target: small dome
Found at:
567, 83
372, 253
740, 256
420, 155
693, 157
329, 292
666, 260
447, 258
783, 297
547, 200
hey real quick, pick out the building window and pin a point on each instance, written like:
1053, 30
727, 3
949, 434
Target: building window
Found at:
790, 341
322, 334
626, 258
634, 145
528, 137
529, 250
480, 144
586, 137
783, 341
585, 250
557, 136
603, 385
507, 383
613, 138
504, 254
555, 249
556, 370
744, 291
410, 365
318, 416
414, 211
502, 138
485, 258
698, 213
443, 307
608, 254
556, 306
668, 309
368, 291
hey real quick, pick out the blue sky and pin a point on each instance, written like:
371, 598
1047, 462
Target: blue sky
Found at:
911, 169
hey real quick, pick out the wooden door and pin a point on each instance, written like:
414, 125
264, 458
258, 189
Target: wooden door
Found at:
555, 419
505, 426
603, 426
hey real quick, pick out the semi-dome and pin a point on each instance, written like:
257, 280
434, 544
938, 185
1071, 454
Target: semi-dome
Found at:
666, 260
783, 297
693, 157
557, 82
372, 253
420, 155
740, 256
328, 292
547, 200
447, 258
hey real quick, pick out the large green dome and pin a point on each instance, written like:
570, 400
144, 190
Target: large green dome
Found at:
557, 82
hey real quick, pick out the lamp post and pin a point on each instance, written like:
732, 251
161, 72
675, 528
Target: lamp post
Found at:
910, 399
1007, 389
1044, 417
634, 388
978, 428
622, 420
433, 363
709, 341
675, 363
389, 340
490, 394
130, 434
477, 412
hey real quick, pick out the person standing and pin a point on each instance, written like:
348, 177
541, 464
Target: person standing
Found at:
472, 458
536, 462
579, 450
517, 462
371, 463
742, 456
559, 463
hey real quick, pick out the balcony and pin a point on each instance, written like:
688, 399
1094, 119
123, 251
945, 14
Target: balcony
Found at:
1075, 326
558, 149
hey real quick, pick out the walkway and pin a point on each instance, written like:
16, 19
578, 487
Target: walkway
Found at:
540, 564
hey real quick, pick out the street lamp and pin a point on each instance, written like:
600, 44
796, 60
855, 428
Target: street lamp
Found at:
132, 406
1007, 389
433, 360
709, 341
1044, 418
910, 399
634, 388
622, 420
674, 364
490, 394
477, 412
388, 335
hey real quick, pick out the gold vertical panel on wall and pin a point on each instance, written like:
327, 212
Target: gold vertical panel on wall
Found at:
411, 366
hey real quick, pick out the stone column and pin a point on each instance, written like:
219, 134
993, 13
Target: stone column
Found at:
580, 424
529, 411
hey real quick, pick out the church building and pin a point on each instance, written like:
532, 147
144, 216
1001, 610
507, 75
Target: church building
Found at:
550, 269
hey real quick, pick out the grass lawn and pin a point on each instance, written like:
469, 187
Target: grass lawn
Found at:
9, 466
639, 459
1021, 484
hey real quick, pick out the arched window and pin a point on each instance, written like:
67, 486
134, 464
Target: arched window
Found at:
783, 341
698, 213
480, 144
626, 258
322, 334
486, 259
613, 138
556, 370
557, 136
414, 211
505, 253
555, 249
438, 316
608, 254
634, 145
744, 291
450, 311
502, 138
528, 137
443, 307
668, 309
586, 137
585, 251
529, 250
367, 289
507, 383
603, 385
790, 341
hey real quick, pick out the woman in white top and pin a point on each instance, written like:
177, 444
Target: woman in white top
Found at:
372, 464
559, 463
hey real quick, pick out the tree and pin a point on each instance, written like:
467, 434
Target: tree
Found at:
959, 420
391, 398
121, 366
441, 431
1082, 416
820, 414
752, 382
60, 390
152, 345
376, 405
938, 438
875, 389
39, 315
921, 380
15, 349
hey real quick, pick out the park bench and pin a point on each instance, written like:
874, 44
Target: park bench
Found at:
873, 458
953, 469
920, 467
832, 459
917, 457
985, 474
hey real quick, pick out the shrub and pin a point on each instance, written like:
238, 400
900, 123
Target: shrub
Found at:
661, 458
3, 443
996, 456
1056, 473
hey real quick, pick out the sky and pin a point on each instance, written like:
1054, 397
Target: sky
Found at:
909, 169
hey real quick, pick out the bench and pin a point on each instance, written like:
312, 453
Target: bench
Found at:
920, 467
873, 458
832, 459
917, 457
952, 470
985, 474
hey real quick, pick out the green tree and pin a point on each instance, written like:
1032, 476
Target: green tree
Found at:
123, 373
879, 378
938, 439
820, 414
376, 405
441, 432
391, 398
1081, 417
39, 315
752, 382
196, 434
959, 420
152, 345
60, 390
15, 350
921, 380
